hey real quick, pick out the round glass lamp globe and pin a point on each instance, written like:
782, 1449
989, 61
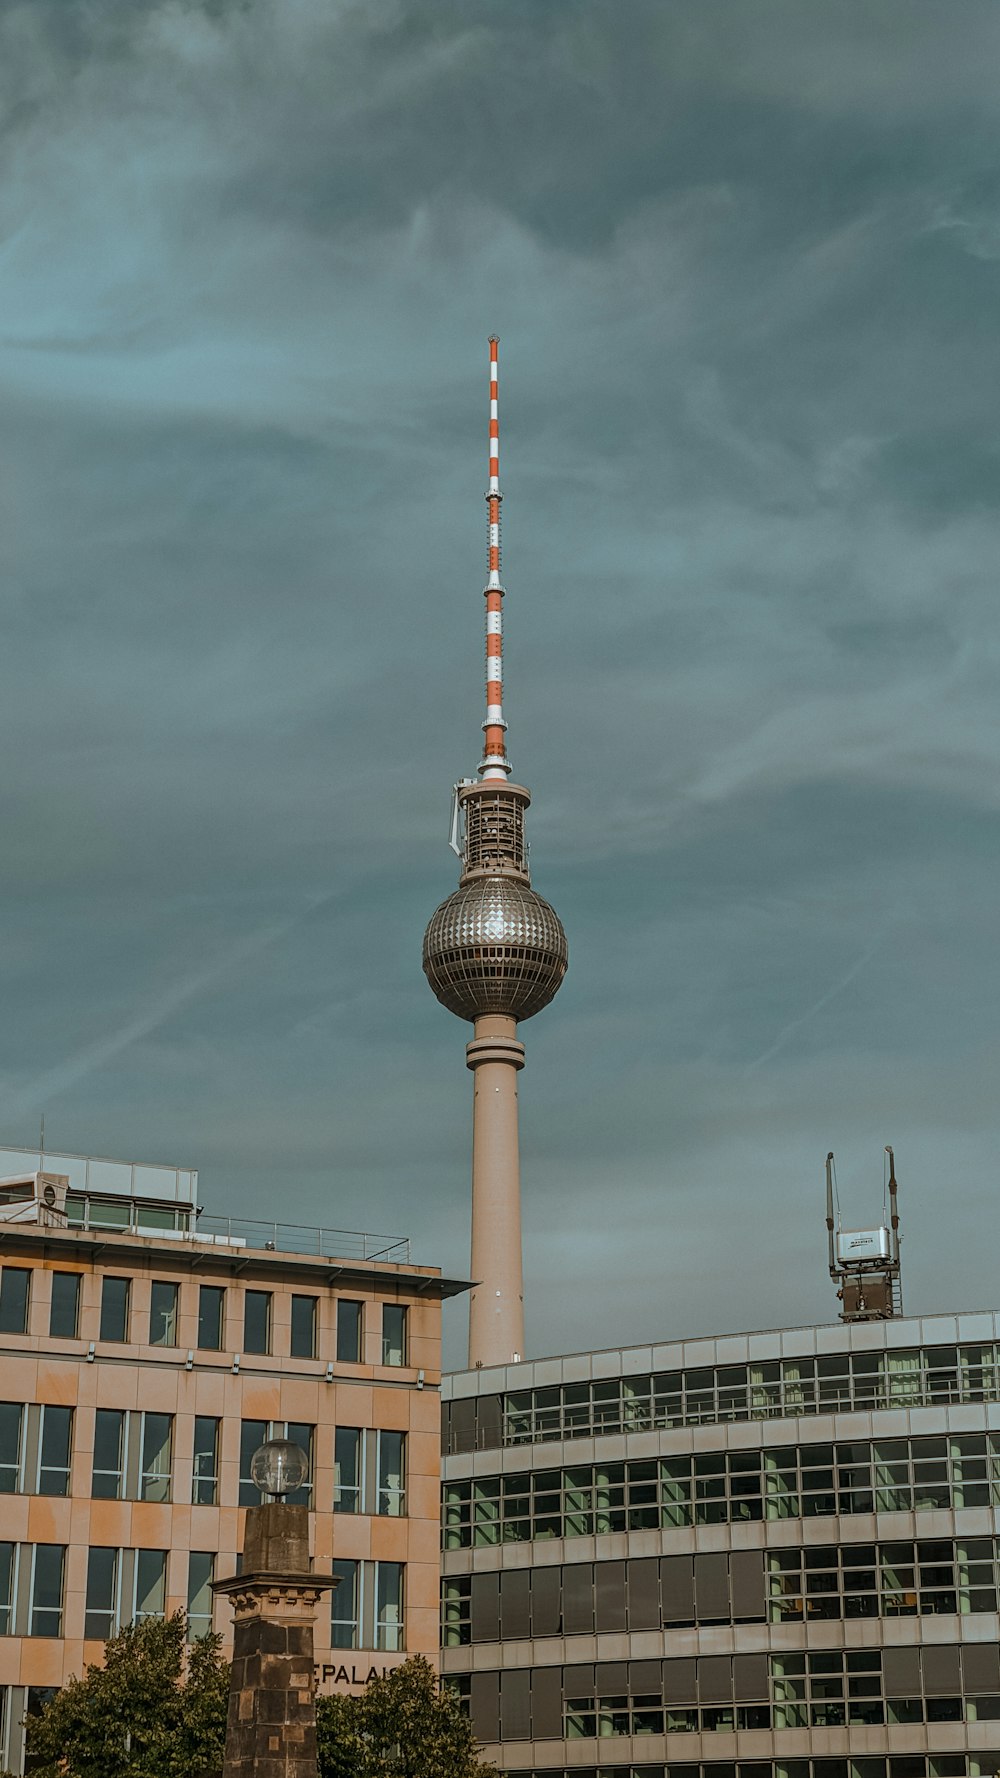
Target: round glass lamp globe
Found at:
279, 1467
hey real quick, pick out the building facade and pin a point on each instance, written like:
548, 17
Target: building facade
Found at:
772, 1556
145, 1353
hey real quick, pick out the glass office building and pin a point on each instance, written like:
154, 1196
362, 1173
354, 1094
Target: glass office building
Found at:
769, 1556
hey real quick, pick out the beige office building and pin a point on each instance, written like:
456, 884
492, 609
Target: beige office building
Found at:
146, 1352
770, 1556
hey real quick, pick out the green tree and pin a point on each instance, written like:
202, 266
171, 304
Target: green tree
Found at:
154, 1710
402, 1726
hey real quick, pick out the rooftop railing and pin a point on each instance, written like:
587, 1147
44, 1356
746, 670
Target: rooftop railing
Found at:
291, 1237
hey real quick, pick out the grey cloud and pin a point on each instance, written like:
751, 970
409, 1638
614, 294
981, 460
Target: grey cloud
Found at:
741, 268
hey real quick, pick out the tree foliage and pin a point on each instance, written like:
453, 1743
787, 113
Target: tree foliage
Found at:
156, 1709
402, 1726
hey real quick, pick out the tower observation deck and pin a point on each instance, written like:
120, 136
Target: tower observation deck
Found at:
495, 953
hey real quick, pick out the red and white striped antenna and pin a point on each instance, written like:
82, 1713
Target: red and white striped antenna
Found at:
494, 763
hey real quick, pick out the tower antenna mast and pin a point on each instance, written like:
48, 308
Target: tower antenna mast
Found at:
494, 953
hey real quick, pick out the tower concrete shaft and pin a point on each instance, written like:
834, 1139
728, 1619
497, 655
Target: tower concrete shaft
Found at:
494, 953
496, 1306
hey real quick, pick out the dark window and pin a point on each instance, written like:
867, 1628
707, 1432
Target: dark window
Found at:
64, 1311
102, 1595
54, 1450
305, 1437
257, 1321
157, 1442
150, 1584
391, 1482
163, 1314
346, 1611
47, 1590
8, 1576
14, 1283
211, 1299
389, 1606
114, 1308
393, 1333
11, 1422
253, 1434
303, 1327
348, 1331
201, 1573
109, 1454
205, 1491
348, 1445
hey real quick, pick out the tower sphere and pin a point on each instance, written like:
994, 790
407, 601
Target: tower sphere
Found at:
495, 946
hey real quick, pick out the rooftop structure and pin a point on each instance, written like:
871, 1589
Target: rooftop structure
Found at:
494, 953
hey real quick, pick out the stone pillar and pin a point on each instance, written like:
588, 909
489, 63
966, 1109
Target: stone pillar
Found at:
496, 1305
271, 1728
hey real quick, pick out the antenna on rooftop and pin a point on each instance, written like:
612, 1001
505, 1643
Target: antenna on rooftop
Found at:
864, 1263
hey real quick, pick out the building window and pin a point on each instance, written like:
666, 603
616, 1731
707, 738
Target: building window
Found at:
303, 1327
201, 1573
369, 1471
347, 1469
55, 1443
46, 1607
348, 1331
257, 1321
391, 1486
389, 1606
205, 1489
456, 1611
11, 1420
393, 1333
109, 1454
253, 1434
346, 1607
157, 1439
103, 1606
64, 1309
123, 1587
34, 1448
8, 1587
150, 1584
15, 1284
211, 1301
114, 1308
366, 1610
132, 1455
163, 1313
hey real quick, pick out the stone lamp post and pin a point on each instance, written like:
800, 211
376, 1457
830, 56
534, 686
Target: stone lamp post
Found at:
271, 1727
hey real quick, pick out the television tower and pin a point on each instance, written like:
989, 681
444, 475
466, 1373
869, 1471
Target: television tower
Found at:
494, 953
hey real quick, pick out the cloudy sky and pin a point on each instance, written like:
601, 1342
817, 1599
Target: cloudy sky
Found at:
744, 261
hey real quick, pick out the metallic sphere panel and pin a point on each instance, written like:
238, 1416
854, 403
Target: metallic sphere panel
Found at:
495, 947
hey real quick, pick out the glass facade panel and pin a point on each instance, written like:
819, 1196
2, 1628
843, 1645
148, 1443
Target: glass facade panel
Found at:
394, 1319
211, 1304
304, 1326
348, 1331
389, 1606
15, 1293
205, 1488
163, 1313
64, 1308
346, 1604
257, 1321
54, 1448
114, 1309
201, 1573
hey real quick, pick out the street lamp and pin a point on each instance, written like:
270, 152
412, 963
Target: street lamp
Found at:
279, 1467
